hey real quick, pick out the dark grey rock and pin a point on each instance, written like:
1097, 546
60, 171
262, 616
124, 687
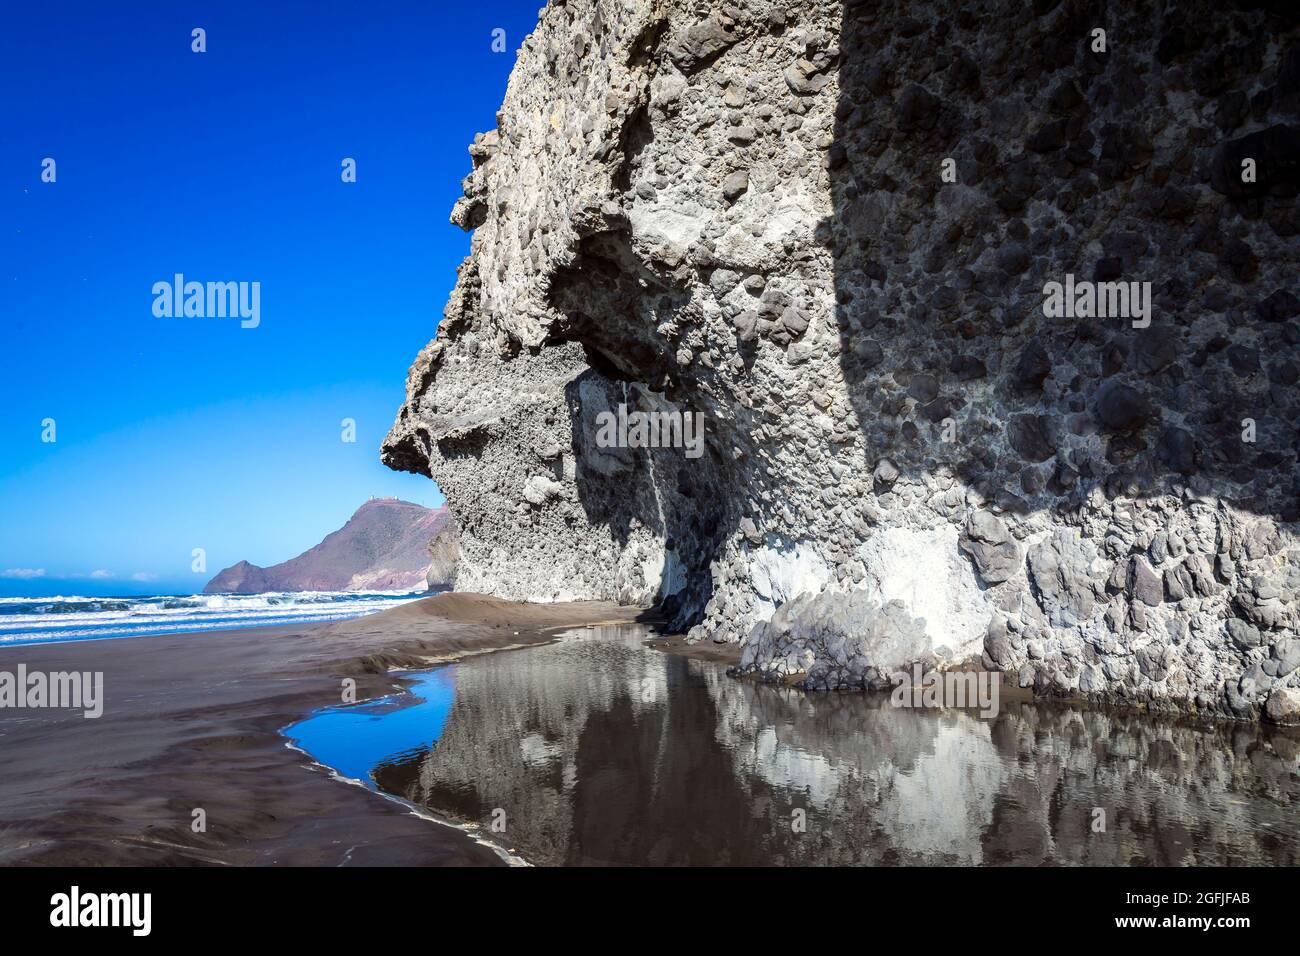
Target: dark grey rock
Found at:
1030, 436
1143, 583
1119, 407
735, 185
1060, 568
1177, 450
986, 540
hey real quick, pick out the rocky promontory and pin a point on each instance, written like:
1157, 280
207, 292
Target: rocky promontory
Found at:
387, 545
991, 314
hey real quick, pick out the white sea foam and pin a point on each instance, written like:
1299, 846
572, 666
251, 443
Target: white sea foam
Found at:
28, 620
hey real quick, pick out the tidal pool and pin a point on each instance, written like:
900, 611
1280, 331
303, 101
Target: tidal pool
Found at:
599, 750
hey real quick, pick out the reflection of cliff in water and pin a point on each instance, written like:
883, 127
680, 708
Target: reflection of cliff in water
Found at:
601, 751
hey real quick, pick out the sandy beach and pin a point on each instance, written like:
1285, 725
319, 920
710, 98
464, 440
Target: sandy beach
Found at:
192, 721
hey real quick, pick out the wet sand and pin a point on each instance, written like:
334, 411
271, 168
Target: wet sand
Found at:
192, 721
727, 654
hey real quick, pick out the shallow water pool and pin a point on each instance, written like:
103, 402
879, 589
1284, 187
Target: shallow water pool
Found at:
597, 749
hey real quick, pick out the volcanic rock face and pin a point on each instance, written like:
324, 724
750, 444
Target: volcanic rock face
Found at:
837, 641
444, 552
831, 228
387, 545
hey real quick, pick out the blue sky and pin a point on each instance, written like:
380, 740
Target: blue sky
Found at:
177, 433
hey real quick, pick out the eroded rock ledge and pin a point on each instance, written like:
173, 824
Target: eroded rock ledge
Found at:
738, 209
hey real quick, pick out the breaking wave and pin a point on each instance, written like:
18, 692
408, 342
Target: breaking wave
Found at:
26, 620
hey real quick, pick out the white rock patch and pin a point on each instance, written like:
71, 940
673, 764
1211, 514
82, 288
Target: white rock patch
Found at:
925, 570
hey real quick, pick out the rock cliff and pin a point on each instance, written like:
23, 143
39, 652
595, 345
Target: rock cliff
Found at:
990, 313
444, 553
387, 545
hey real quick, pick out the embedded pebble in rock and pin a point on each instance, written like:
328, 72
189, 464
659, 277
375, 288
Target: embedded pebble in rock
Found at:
1062, 570
744, 210
735, 185
990, 547
1284, 706
1120, 407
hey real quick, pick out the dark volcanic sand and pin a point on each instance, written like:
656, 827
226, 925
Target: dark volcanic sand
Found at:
192, 721
726, 654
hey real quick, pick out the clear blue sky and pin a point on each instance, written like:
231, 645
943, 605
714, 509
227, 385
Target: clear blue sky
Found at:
176, 433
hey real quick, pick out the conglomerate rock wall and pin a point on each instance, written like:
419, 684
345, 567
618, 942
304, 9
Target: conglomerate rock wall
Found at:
831, 229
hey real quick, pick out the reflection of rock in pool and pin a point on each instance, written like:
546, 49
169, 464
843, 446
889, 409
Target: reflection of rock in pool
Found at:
600, 750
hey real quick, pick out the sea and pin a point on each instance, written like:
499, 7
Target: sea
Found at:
45, 620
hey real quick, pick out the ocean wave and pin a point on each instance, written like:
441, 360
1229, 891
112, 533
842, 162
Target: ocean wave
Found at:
66, 618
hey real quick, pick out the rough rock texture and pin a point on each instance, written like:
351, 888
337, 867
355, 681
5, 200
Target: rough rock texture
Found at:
444, 553
740, 210
837, 641
387, 545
